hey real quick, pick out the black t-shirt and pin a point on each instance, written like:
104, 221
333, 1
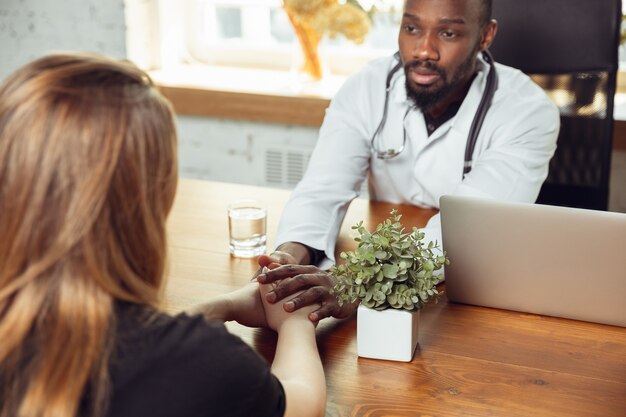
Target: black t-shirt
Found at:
187, 366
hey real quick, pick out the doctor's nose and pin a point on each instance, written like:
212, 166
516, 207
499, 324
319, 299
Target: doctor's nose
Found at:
425, 50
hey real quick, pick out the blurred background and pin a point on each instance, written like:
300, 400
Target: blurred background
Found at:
241, 46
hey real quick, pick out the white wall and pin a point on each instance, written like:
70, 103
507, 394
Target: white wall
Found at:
244, 152
31, 28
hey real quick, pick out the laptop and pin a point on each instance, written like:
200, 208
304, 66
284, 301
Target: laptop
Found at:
554, 261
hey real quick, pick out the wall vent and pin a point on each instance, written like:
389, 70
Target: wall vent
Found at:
284, 168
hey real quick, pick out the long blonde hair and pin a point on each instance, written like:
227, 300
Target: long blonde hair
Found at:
87, 177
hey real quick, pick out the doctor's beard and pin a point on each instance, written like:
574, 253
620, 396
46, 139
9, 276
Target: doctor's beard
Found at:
425, 98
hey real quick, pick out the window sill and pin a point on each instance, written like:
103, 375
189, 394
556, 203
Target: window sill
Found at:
246, 94
274, 96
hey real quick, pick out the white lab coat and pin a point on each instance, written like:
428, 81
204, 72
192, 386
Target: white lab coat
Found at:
511, 157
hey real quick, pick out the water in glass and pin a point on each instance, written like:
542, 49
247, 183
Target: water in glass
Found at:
247, 223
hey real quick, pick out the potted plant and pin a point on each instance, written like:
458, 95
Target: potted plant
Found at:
392, 273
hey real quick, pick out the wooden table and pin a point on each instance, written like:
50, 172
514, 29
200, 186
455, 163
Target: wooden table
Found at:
471, 361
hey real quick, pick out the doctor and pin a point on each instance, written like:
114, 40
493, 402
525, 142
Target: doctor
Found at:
410, 140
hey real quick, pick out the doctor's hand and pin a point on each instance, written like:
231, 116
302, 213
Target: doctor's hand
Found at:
314, 284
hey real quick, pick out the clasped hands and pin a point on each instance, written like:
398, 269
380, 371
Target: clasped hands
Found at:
283, 291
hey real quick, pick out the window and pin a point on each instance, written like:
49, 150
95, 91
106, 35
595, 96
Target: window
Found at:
258, 33
247, 33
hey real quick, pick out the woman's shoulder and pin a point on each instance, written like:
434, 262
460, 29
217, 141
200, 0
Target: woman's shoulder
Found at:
140, 327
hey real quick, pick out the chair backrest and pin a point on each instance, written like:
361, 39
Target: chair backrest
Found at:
569, 47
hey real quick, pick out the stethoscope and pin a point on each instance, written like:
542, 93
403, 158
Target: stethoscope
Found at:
479, 117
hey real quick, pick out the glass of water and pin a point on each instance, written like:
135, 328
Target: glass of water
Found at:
246, 226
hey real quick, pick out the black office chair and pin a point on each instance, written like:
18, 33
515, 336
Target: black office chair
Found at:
569, 47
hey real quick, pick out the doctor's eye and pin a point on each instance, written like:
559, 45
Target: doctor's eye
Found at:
449, 34
409, 28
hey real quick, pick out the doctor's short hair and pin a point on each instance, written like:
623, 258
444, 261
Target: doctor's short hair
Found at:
485, 12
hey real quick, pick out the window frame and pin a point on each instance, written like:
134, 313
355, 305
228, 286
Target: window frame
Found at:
170, 37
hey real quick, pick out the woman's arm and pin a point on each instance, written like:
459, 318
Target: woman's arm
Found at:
243, 306
297, 362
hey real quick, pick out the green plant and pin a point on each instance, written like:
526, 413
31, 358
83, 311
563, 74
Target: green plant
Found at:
390, 268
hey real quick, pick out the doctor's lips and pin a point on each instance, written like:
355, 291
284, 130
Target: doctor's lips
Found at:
423, 72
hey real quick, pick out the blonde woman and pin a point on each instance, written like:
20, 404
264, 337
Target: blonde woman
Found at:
87, 178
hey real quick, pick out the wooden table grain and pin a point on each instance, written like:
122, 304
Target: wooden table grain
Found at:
471, 361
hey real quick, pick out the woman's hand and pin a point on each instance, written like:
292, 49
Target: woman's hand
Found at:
243, 306
246, 306
276, 315
275, 259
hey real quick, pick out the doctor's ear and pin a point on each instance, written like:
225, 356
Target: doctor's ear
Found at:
488, 34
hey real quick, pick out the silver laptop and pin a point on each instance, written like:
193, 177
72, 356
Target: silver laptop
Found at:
548, 260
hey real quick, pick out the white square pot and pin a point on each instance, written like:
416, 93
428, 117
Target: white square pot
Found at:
388, 334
